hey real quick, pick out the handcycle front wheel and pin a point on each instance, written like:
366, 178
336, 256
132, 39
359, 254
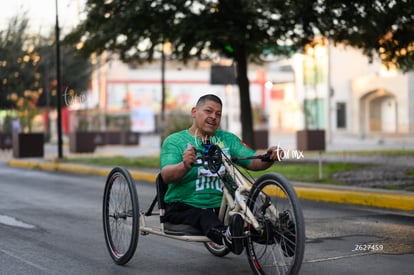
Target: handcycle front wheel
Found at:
217, 249
120, 215
277, 248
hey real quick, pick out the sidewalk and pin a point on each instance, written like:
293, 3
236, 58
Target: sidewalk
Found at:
397, 200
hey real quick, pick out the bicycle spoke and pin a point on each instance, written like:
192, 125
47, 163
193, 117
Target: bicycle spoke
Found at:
121, 220
273, 250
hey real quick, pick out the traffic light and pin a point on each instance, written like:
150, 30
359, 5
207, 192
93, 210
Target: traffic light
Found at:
229, 48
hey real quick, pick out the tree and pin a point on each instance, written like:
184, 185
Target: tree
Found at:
136, 29
242, 30
75, 72
28, 63
19, 62
379, 28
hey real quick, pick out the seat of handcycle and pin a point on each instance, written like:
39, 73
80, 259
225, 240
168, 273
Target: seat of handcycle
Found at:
171, 228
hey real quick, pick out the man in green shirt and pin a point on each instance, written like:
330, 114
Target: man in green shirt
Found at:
194, 194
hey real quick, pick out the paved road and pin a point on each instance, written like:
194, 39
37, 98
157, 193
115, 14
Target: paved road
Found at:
387, 174
50, 223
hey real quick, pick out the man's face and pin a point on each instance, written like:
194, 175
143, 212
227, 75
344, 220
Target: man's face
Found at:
207, 118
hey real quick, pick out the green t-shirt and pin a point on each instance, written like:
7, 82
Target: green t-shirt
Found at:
199, 187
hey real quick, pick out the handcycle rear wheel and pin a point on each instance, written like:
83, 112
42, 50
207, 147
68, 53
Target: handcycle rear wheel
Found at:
120, 215
279, 247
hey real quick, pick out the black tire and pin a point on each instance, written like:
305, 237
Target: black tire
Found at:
216, 249
120, 215
280, 246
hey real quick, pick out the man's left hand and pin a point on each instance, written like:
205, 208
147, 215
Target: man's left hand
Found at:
276, 153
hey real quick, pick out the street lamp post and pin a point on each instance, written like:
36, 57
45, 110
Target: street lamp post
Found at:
165, 50
162, 85
58, 91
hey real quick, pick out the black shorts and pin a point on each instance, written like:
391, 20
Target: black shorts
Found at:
201, 218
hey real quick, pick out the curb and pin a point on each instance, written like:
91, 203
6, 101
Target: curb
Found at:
396, 201
78, 169
363, 197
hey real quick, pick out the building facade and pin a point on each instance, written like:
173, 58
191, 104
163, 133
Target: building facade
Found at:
332, 88
368, 99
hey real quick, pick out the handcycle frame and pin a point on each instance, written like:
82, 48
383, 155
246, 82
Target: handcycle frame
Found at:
229, 205
257, 201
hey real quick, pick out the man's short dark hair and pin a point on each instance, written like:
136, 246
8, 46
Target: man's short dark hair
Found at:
202, 100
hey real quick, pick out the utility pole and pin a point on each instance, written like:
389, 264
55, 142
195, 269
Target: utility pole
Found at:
58, 91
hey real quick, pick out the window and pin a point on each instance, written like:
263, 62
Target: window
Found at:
341, 115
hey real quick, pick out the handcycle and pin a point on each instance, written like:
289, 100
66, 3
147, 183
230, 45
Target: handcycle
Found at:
274, 238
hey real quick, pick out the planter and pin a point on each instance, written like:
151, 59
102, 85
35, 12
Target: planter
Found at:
129, 138
113, 137
82, 142
308, 140
100, 138
26, 145
6, 141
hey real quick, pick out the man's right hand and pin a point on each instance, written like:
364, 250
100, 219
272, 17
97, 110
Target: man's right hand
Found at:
189, 157
175, 172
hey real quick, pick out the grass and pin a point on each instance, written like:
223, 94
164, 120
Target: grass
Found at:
385, 152
305, 172
136, 162
391, 187
293, 171
309, 172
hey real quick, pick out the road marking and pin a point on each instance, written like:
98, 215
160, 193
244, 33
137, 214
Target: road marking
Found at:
10, 254
336, 258
11, 221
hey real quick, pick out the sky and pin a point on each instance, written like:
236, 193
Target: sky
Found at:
42, 13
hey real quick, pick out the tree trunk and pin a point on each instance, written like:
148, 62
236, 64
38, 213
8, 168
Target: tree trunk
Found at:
244, 93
